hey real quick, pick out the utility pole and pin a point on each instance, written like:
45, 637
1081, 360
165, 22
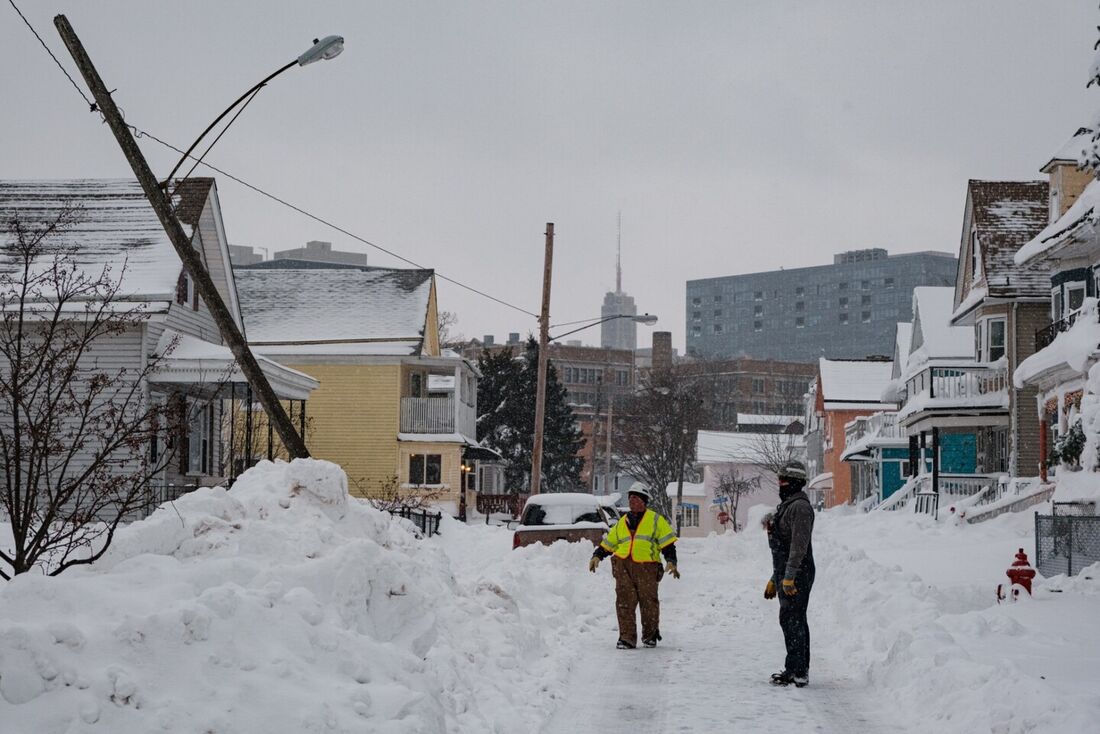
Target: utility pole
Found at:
192, 262
544, 348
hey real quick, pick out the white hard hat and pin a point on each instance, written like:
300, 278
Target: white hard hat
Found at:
639, 489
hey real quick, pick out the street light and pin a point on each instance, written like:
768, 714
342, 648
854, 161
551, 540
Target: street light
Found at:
323, 49
536, 454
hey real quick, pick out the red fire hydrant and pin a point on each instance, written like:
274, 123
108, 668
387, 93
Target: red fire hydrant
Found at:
1021, 572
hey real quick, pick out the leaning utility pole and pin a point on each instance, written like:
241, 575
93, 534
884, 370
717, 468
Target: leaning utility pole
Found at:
192, 263
544, 338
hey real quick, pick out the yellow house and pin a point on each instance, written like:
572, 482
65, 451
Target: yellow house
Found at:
393, 409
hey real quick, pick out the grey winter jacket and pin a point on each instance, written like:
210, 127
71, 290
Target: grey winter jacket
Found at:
792, 527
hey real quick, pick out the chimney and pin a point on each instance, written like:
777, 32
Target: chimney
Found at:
488, 340
662, 351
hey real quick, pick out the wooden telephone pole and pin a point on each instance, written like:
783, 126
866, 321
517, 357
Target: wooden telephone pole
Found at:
544, 356
192, 263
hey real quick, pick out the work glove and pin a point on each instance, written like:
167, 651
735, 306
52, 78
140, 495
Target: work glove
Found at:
671, 569
769, 590
593, 563
789, 588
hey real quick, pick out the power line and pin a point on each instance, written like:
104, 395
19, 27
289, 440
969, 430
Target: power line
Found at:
139, 133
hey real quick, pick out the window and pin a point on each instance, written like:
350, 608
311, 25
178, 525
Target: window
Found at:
717, 312
718, 299
865, 285
800, 306
690, 515
975, 257
904, 466
889, 282
1075, 296
717, 328
865, 317
758, 295
996, 330
843, 318
799, 291
800, 322
757, 310
425, 469
696, 301
200, 446
843, 301
416, 385
758, 384
696, 331
865, 300
757, 325
842, 286
696, 315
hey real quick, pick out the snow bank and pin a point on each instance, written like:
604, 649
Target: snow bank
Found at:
283, 605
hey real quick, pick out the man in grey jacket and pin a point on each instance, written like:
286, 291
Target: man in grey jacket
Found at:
792, 571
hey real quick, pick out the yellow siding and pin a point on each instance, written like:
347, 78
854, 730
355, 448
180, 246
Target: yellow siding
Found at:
431, 325
355, 417
451, 459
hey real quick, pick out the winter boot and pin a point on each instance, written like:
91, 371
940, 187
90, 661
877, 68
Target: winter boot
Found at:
652, 641
800, 681
782, 678
624, 645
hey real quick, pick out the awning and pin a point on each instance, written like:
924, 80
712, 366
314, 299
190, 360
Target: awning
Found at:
480, 453
194, 361
821, 481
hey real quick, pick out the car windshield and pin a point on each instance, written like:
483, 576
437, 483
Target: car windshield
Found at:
561, 514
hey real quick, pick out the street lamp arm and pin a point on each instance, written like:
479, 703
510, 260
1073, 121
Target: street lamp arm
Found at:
220, 117
647, 319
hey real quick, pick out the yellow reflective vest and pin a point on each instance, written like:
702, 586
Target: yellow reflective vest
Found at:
643, 545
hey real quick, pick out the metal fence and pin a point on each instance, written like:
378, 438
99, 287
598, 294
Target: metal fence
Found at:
426, 521
1066, 543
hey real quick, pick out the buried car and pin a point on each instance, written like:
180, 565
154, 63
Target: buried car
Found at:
570, 516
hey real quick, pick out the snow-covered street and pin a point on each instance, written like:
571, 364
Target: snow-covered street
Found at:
284, 606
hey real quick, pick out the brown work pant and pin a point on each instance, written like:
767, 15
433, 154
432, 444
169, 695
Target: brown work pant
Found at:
636, 585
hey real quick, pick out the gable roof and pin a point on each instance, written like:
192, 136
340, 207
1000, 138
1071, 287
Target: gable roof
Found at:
113, 225
379, 311
1005, 216
852, 383
932, 307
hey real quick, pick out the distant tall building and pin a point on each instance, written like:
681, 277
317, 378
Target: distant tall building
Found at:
619, 333
322, 252
847, 310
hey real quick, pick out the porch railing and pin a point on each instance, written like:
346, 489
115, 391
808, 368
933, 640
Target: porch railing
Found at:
1047, 334
427, 415
967, 382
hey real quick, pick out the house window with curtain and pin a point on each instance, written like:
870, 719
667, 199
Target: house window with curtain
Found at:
691, 515
1075, 296
425, 469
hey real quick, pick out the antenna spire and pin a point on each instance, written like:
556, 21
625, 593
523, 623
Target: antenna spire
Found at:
619, 258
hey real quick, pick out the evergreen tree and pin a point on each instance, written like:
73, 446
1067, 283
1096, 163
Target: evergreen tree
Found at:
506, 420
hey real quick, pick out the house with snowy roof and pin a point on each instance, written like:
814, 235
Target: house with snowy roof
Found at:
1004, 303
845, 389
1067, 252
393, 406
115, 227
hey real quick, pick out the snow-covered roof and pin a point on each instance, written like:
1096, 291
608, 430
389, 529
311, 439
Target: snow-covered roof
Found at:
1079, 219
1006, 215
691, 489
932, 314
753, 419
853, 383
112, 225
729, 447
340, 310
903, 336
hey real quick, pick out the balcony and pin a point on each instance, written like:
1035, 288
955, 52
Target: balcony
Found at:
1047, 334
966, 390
427, 415
861, 434
967, 383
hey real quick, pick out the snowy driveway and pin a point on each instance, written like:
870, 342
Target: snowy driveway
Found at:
709, 674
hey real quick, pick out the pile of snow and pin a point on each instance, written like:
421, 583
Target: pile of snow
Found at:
283, 605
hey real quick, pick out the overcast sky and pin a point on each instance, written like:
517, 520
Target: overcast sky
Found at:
733, 136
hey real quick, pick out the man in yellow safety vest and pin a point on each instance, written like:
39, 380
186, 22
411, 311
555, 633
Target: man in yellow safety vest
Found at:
636, 543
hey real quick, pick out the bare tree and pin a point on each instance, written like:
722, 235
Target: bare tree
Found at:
772, 451
732, 486
78, 437
655, 433
449, 338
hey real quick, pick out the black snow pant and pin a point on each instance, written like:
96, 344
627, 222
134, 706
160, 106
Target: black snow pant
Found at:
796, 630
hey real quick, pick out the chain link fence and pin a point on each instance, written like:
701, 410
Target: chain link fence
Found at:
1066, 541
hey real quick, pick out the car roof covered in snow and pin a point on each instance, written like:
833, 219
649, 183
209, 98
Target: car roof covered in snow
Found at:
564, 498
